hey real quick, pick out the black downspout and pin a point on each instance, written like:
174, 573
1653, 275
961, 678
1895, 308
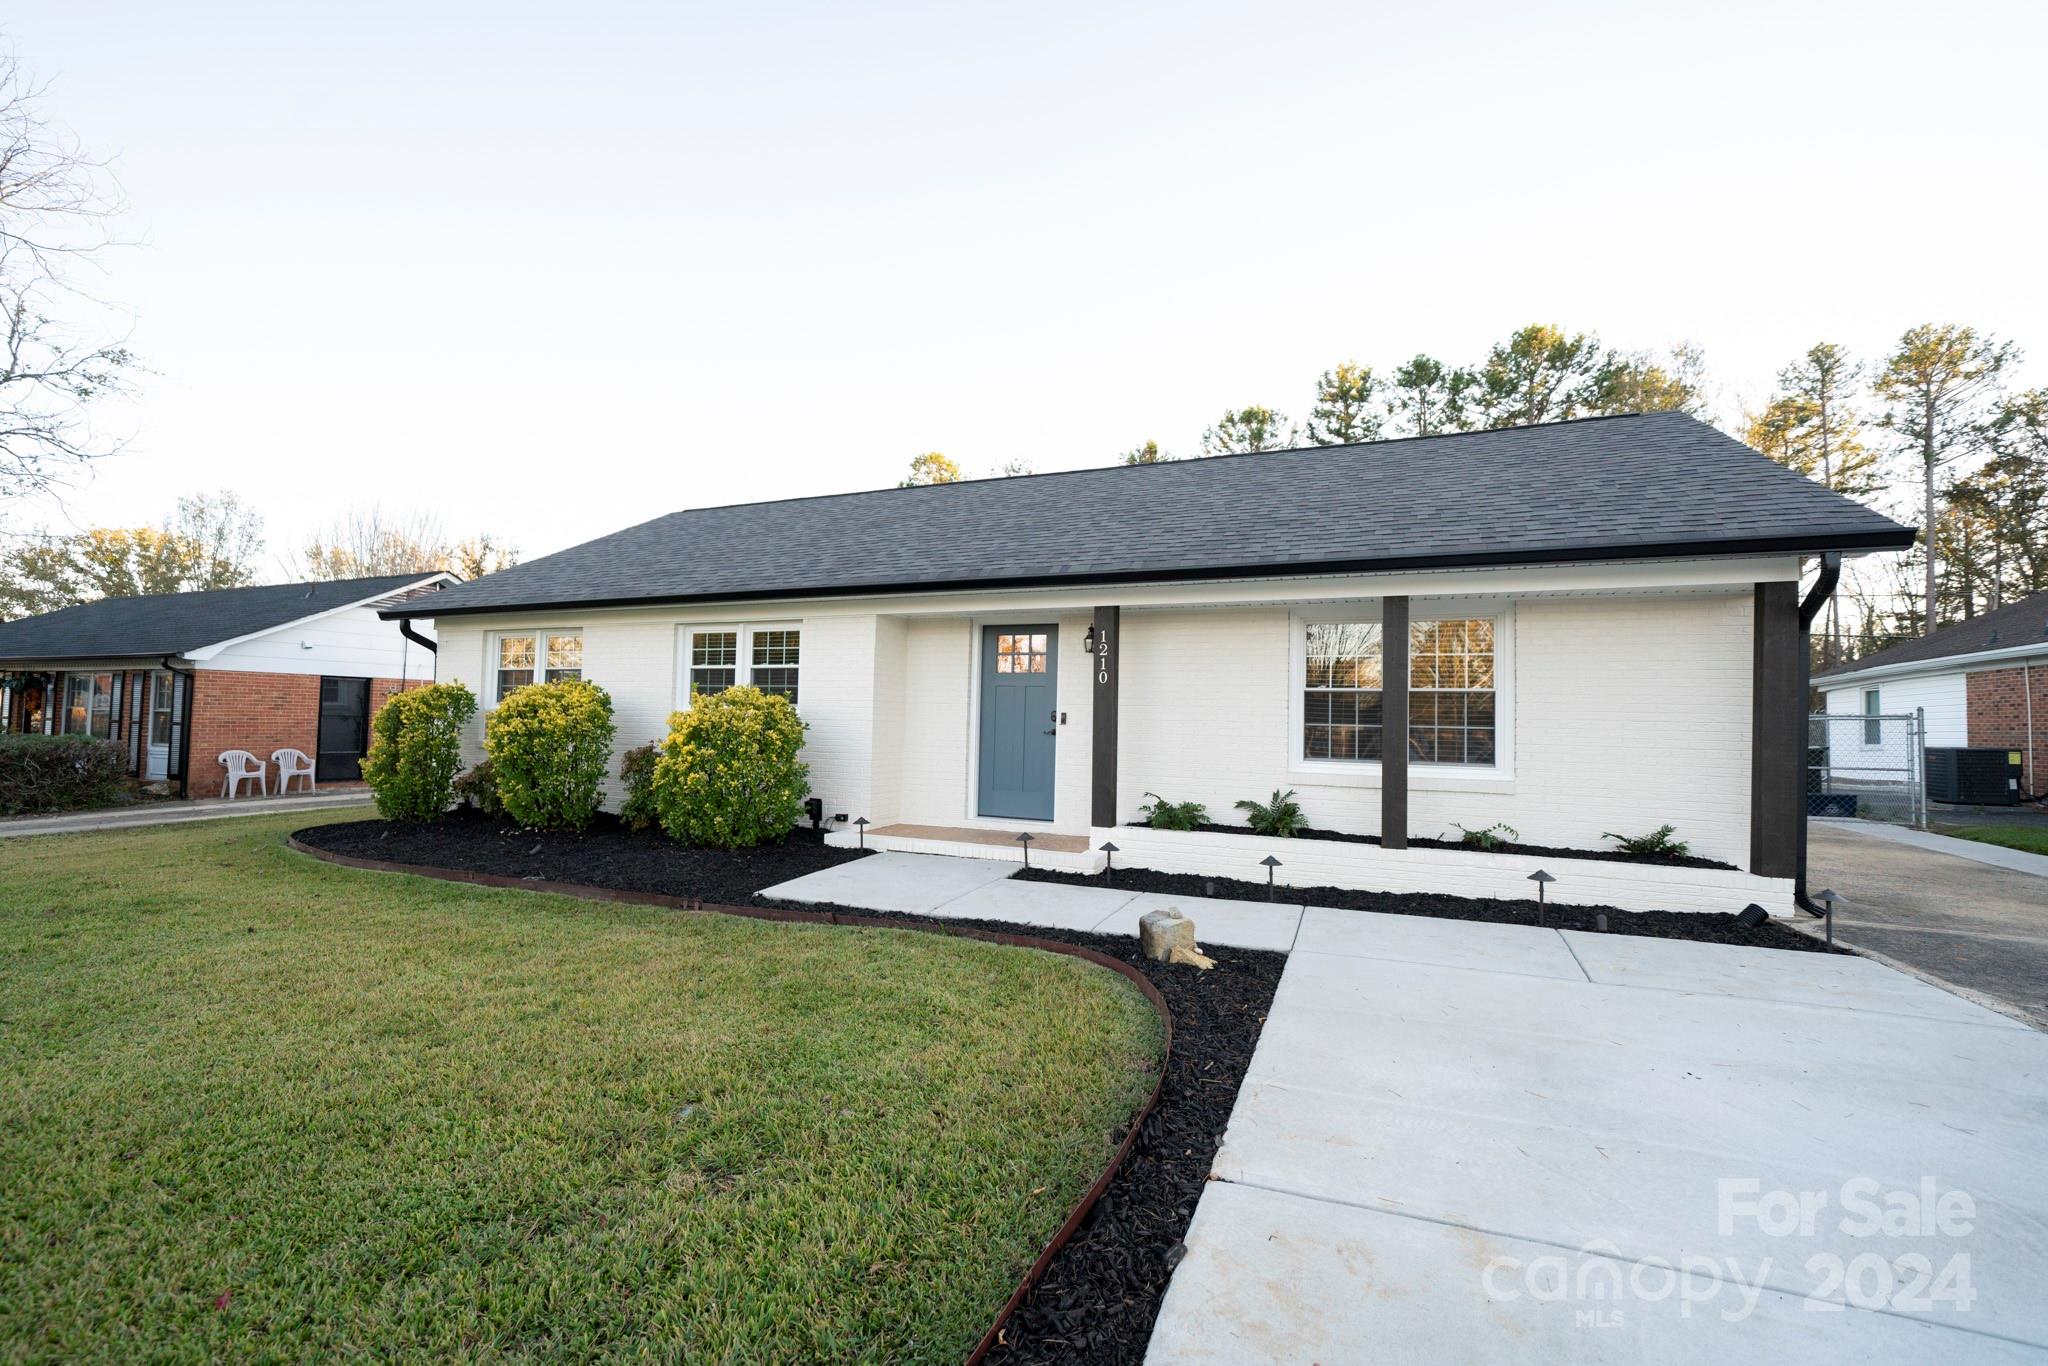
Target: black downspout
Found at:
1816, 598
184, 728
405, 629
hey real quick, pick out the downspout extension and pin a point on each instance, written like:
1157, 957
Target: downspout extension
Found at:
1816, 598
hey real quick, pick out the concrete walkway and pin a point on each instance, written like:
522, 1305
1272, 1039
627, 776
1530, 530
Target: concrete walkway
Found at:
1969, 924
1478, 1143
981, 889
177, 812
1998, 856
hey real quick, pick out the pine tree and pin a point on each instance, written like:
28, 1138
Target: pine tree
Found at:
1244, 431
1428, 398
1935, 386
1345, 410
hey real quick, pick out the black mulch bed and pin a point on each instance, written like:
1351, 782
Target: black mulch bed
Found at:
1701, 926
1506, 847
606, 855
1101, 1292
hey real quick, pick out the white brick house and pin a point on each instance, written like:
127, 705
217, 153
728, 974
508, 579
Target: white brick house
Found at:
1603, 635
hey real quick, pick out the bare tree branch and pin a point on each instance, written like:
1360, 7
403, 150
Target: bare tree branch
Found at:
54, 203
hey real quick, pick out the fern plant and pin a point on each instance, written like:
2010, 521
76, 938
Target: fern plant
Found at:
1488, 836
1658, 841
1280, 817
1162, 814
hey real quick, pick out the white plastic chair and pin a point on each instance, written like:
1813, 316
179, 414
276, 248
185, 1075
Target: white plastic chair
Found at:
242, 766
291, 763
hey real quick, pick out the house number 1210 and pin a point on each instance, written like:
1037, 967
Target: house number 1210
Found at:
1102, 658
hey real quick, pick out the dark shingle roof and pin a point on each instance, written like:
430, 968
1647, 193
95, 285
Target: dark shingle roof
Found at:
172, 623
1621, 487
2023, 623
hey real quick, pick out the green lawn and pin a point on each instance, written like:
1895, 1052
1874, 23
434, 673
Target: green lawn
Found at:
255, 1105
2033, 839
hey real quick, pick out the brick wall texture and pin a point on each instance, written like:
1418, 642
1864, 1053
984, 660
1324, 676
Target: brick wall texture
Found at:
259, 712
1998, 716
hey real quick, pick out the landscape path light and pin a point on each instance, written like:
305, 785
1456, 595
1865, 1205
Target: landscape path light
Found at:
1269, 863
1542, 881
1108, 859
1025, 840
1827, 898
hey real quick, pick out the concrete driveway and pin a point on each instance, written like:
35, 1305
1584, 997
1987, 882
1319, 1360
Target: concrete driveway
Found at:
1476, 1143
1957, 918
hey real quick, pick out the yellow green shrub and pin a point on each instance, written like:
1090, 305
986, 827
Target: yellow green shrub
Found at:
728, 775
549, 746
415, 749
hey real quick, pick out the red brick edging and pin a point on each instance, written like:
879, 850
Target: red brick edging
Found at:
1023, 941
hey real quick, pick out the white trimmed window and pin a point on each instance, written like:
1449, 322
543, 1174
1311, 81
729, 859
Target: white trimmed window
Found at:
1451, 700
714, 663
554, 655
777, 656
1340, 698
714, 658
1454, 692
1873, 726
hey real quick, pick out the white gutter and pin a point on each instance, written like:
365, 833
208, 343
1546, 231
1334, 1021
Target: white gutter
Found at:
2035, 649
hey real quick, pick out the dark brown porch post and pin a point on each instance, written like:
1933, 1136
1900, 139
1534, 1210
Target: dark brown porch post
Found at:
1777, 739
1103, 668
1394, 723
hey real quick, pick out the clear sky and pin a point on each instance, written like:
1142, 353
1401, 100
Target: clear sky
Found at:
550, 270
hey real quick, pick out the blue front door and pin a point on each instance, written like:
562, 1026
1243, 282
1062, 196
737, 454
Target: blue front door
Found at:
1019, 719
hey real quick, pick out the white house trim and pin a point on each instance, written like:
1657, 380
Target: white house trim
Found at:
207, 652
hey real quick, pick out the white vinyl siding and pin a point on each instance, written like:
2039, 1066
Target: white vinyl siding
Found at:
1943, 696
355, 643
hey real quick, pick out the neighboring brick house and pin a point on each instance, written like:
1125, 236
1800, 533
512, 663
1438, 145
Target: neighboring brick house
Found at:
1982, 683
175, 680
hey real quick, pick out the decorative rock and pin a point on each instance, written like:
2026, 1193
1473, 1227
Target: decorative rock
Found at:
1160, 932
1190, 957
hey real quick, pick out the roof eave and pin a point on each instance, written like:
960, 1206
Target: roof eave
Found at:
1896, 538
1964, 659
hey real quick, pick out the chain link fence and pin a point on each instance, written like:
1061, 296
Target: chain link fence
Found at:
1872, 767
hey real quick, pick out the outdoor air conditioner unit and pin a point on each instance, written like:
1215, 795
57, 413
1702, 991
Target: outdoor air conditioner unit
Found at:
1973, 777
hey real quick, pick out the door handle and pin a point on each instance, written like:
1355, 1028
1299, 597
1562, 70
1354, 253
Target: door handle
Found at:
1054, 731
